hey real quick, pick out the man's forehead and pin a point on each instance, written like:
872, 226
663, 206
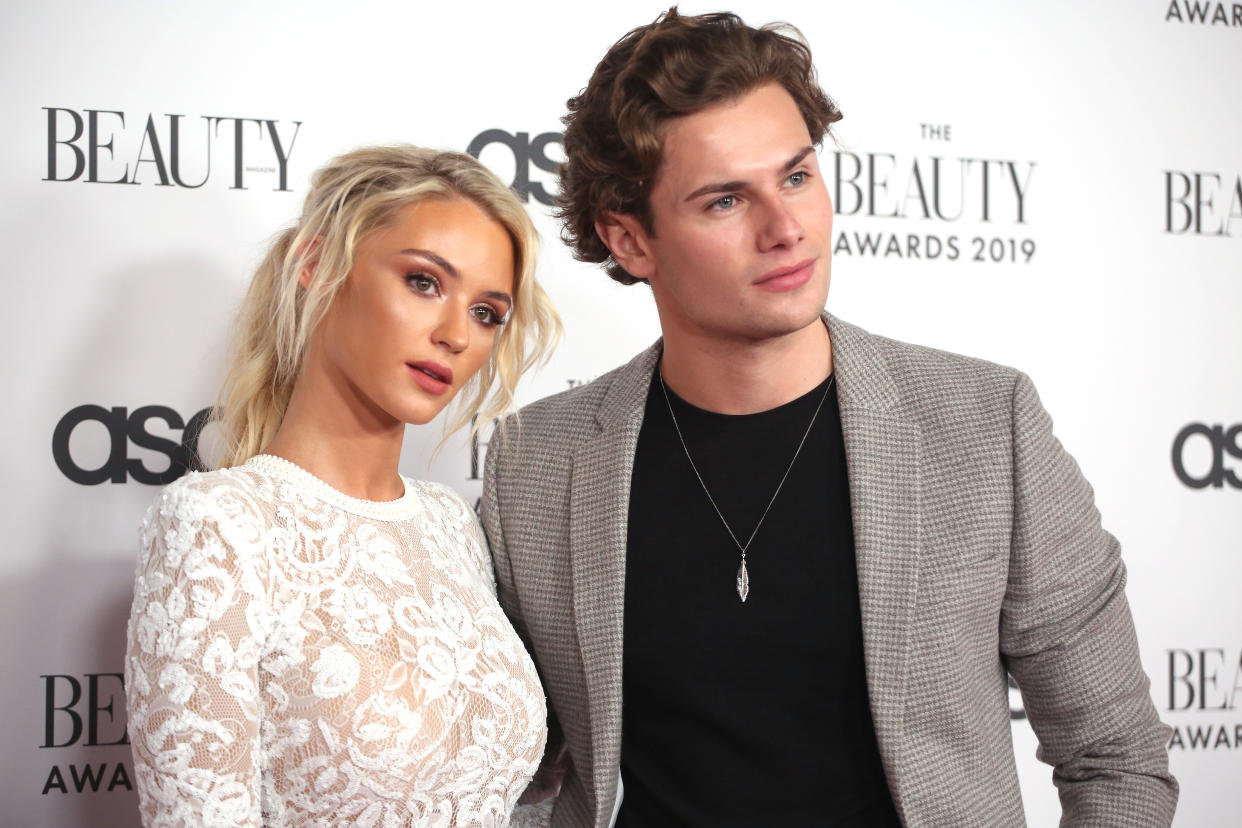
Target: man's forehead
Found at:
759, 133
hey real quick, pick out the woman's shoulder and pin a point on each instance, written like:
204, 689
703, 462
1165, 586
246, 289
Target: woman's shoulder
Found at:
223, 498
433, 489
446, 511
442, 499
219, 484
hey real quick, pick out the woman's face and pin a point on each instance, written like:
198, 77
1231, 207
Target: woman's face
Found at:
417, 314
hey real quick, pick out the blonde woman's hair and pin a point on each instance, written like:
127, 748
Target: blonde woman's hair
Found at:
350, 198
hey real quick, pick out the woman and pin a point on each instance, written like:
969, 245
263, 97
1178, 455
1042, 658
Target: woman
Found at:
315, 640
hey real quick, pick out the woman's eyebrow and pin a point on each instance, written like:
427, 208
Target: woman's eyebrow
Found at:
434, 258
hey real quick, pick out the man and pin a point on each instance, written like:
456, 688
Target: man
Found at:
774, 570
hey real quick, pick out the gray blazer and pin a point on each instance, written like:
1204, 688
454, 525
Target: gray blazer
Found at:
979, 551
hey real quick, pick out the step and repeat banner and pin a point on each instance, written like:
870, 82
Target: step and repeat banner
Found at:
1051, 185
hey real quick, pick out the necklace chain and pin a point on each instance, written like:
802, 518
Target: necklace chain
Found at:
743, 577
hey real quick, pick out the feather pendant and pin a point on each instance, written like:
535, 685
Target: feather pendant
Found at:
743, 582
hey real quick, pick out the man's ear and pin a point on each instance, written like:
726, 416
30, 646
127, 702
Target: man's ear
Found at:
309, 254
629, 243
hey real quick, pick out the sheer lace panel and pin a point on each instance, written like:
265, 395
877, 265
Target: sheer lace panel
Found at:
299, 657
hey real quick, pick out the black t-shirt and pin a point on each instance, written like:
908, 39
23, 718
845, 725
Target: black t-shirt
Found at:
755, 713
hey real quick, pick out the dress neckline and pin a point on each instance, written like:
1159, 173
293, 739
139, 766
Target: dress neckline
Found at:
304, 481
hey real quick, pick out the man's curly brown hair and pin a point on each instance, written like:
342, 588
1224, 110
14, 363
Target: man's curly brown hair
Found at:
675, 66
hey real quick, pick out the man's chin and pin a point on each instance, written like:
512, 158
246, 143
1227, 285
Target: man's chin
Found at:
770, 327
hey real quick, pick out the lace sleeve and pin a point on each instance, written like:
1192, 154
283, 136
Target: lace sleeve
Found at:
194, 639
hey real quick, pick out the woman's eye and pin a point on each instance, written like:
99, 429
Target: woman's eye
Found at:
423, 283
487, 315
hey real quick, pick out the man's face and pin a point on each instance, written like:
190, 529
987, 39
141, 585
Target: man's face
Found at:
742, 222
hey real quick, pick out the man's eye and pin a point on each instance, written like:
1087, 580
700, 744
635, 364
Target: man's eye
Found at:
724, 202
797, 178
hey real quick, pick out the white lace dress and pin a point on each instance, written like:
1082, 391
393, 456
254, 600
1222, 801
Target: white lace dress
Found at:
300, 657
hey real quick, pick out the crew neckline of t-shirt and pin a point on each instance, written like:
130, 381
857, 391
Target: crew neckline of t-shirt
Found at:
290, 472
816, 393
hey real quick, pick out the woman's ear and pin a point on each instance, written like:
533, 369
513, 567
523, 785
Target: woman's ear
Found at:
627, 241
309, 254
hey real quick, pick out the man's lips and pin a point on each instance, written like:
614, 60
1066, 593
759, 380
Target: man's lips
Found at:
431, 376
787, 278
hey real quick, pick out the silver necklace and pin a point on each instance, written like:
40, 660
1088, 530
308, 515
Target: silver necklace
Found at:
743, 577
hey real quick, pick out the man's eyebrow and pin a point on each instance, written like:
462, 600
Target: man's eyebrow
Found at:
435, 258
727, 186
797, 159
716, 187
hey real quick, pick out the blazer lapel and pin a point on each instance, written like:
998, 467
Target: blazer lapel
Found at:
882, 454
599, 512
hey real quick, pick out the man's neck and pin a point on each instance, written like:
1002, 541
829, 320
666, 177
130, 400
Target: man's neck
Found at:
745, 377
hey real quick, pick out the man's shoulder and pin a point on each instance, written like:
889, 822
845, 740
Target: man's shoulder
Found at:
564, 419
911, 360
921, 366
565, 408
929, 385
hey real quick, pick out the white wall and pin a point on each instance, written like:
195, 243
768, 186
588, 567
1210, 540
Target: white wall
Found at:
119, 295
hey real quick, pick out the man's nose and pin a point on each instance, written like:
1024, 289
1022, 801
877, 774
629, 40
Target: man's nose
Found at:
780, 227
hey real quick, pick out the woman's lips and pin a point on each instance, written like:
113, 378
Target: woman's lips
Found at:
787, 278
431, 376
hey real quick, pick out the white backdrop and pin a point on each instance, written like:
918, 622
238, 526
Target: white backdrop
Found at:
1107, 263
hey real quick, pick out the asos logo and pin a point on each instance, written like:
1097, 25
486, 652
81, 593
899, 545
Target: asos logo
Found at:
1221, 442
126, 427
525, 152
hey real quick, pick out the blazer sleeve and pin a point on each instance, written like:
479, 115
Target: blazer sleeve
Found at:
533, 807
1068, 639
